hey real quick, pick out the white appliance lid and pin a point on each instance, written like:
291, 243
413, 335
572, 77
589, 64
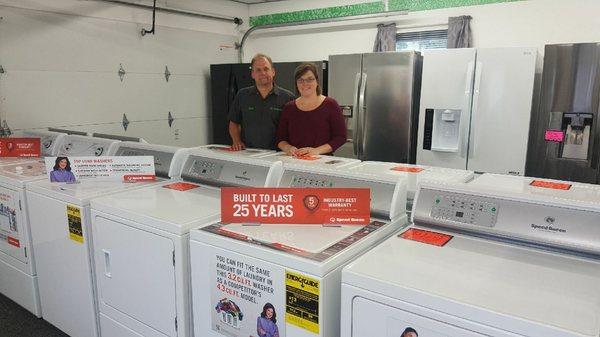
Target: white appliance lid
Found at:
25, 171
226, 149
477, 279
166, 163
84, 146
316, 162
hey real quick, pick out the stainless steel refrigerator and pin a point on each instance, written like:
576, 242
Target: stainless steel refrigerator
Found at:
227, 79
379, 96
566, 142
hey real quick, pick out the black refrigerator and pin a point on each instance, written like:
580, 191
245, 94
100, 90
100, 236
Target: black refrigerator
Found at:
227, 79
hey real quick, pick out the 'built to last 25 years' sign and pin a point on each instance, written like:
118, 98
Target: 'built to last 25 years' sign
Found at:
348, 206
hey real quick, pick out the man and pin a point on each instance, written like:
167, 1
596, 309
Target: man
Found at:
254, 115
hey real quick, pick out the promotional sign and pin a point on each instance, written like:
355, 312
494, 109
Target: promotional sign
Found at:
428, 237
409, 169
10, 236
551, 185
349, 206
125, 168
20, 147
247, 296
557, 136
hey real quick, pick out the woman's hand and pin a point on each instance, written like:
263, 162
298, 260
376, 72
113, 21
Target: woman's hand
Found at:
291, 150
307, 151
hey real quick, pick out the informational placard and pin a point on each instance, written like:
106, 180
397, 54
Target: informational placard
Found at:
20, 147
74, 223
247, 296
550, 184
302, 294
408, 169
557, 136
9, 217
125, 168
348, 206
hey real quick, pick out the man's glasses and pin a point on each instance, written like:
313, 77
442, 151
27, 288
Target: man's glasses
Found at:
306, 80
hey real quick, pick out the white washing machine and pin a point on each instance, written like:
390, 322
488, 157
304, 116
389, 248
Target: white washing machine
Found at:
317, 162
500, 256
241, 271
59, 215
141, 243
81, 146
50, 141
414, 174
225, 149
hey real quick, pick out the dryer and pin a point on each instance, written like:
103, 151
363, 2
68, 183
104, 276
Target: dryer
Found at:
59, 215
238, 270
141, 242
500, 256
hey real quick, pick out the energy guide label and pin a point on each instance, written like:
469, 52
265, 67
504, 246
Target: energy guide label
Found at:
302, 301
74, 219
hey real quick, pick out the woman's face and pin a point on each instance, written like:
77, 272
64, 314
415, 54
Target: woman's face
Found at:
410, 334
307, 84
62, 163
269, 313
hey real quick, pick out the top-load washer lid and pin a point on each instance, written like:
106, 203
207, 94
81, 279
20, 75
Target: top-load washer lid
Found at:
521, 290
315, 162
226, 149
50, 141
414, 174
554, 214
168, 160
84, 146
20, 173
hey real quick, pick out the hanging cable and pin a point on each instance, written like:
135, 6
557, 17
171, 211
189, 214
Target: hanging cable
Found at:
144, 30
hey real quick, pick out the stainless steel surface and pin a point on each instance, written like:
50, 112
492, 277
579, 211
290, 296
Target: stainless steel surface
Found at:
389, 129
570, 84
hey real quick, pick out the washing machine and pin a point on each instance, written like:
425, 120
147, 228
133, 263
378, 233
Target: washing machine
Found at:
82, 146
226, 149
59, 216
240, 272
317, 161
499, 256
141, 242
50, 141
414, 174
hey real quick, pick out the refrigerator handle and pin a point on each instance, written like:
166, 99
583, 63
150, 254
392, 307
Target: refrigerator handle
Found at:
355, 114
466, 107
474, 109
362, 107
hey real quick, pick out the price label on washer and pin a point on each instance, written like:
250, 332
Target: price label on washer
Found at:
74, 219
302, 301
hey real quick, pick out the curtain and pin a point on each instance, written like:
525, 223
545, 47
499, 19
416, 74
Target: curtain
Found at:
386, 37
459, 32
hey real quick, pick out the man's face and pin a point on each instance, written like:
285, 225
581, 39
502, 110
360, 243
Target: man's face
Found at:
262, 72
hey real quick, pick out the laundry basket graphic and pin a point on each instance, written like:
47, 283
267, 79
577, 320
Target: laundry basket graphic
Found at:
229, 313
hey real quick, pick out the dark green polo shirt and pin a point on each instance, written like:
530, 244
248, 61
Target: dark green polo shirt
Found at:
259, 117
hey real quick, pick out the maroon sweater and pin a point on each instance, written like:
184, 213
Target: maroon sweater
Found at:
323, 125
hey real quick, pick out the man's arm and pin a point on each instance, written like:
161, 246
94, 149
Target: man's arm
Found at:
235, 131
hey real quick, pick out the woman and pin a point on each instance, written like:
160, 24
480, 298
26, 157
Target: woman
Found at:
61, 172
409, 332
266, 324
312, 124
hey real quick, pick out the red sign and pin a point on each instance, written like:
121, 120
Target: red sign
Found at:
554, 136
550, 184
308, 157
409, 169
139, 177
345, 206
181, 186
428, 237
13, 241
20, 147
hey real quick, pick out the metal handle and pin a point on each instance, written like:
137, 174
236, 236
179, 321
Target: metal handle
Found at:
355, 115
107, 271
474, 109
464, 128
361, 107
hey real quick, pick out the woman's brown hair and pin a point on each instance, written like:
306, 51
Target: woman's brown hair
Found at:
303, 69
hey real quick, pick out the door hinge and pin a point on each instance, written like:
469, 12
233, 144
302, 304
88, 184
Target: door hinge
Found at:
25, 250
176, 328
173, 258
20, 207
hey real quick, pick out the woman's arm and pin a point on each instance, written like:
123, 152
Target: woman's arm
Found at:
337, 127
283, 132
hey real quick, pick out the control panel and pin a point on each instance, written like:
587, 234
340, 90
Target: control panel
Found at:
219, 172
162, 159
469, 210
205, 169
299, 181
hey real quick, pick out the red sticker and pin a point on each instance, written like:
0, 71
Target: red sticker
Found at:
14, 242
409, 169
181, 186
551, 184
557, 136
20, 147
308, 157
348, 206
428, 237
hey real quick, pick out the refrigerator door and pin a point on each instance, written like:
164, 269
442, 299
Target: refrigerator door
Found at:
567, 134
388, 124
501, 110
445, 109
344, 79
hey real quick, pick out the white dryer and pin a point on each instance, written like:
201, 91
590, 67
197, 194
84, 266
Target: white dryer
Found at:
141, 243
414, 174
239, 271
499, 256
59, 215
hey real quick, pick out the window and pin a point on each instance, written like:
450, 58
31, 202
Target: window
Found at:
419, 41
